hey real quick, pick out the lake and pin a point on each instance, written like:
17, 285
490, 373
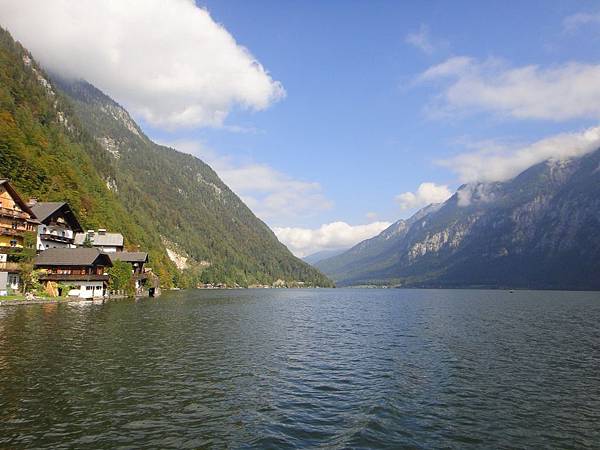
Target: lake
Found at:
324, 368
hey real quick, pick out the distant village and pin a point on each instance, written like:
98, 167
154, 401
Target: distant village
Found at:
66, 260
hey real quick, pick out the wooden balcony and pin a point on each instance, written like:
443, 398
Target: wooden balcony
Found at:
56, 238
13, 213
9, 267
12, 231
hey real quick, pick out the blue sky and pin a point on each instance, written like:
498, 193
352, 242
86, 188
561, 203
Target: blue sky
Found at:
380, 97
354, 119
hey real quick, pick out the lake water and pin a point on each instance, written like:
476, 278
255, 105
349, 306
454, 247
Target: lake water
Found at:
345, 368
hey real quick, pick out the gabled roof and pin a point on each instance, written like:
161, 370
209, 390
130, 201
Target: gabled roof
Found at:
16, 197
101, 240
44, 210
130, 257
72, 257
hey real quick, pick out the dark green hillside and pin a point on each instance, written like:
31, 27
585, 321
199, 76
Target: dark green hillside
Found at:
76, 144
45, 152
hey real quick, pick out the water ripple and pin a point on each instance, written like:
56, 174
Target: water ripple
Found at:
297, 368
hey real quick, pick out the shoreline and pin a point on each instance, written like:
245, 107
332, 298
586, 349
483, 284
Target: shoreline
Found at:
54, 300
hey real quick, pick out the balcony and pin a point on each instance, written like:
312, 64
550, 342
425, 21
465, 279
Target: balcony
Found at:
9, 267
13, 213
56, 238
12, 231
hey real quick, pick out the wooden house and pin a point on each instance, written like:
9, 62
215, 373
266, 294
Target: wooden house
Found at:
58, 225
146, 282
81, 270
16, 220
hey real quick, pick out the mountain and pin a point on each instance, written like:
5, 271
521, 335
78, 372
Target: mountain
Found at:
540, 229
66, 140
314, 258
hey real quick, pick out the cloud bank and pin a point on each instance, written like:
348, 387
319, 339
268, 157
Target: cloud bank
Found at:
562, 92
167, 61
425, 194
502, 163
272, 195
330, 236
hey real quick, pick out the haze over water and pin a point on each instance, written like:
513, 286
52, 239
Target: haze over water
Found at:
344, 368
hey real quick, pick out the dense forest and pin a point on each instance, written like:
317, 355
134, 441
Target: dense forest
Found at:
66, 140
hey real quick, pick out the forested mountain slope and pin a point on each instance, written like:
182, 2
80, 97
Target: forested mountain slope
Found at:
65, 140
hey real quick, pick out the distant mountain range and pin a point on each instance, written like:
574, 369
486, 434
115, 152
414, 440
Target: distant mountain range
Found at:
323, 254
540, 229
66, 140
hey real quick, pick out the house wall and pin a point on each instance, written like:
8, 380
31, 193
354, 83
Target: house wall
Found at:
5, 241
90, 289
11, 224
6, 201
44, 244
107, 249
3, 283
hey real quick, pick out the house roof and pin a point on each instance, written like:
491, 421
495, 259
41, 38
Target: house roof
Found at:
101, 240
72, 257
16, 197
130, 257
44, 210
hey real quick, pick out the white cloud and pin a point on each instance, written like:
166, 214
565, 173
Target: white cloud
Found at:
167, 61
330, 236
272, 195
426, 194
562, 92
499, 163
421, 40
575, 21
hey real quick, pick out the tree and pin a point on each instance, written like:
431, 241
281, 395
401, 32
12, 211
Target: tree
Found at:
87, 242
121, 277
29, 278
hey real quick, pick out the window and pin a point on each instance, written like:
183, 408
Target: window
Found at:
13, 280
13, 243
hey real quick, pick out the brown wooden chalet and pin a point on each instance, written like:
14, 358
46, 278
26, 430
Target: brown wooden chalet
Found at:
16, 218
136, 259
83, 269
146, 282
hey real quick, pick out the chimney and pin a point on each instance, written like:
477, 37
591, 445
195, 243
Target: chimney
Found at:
102, 231
32, 201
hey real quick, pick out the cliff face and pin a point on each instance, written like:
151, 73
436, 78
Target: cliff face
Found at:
539, 230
